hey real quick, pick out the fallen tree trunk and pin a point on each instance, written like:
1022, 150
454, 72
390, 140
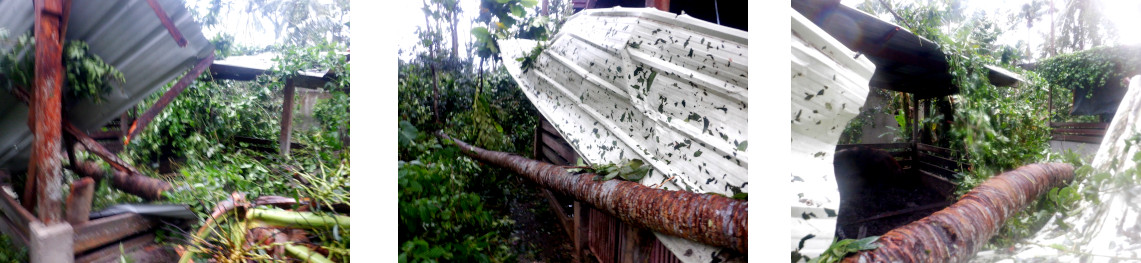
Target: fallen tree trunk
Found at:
137, 184
955, 233
705, 218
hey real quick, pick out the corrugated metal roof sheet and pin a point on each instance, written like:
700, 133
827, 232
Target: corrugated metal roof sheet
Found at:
672, 90
829, 86
126, 34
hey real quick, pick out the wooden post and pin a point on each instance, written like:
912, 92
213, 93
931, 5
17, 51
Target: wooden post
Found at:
580, 235
44, 167
79, 201
1050, 109
631, 245
663, 5
286, 118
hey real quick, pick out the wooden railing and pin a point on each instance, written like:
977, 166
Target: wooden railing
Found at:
936, 166
1078, 131
903, 153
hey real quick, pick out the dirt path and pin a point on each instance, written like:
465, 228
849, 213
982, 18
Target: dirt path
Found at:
537, 235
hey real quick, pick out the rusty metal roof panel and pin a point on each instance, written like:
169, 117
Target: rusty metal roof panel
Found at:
829, 85
124, 33
639, 83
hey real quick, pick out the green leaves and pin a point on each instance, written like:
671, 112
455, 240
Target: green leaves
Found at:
408, 133
632, 170
841, 248
88, 77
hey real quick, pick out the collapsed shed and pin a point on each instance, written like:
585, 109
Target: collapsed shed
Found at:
151, 43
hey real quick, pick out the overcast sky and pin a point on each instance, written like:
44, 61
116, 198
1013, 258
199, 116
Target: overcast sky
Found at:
1125, 14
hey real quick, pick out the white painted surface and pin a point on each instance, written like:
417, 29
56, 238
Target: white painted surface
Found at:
829, 86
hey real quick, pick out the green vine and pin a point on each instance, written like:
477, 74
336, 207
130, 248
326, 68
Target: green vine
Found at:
88, 77
1091, 68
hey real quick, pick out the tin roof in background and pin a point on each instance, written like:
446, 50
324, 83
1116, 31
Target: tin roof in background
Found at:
904, 61
639, 83
124, 33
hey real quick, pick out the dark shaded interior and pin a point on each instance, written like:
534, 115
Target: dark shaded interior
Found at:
878, 194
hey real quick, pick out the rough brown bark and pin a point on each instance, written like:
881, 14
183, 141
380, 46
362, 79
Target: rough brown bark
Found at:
709, 219
955, 233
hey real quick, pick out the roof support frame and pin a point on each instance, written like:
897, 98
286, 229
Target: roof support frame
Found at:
141, 123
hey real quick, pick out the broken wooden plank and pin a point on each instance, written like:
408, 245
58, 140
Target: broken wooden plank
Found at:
114, 251
79, 201
19, 217
99, 232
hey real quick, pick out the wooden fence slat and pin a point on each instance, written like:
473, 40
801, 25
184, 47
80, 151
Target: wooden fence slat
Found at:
935, 149
15, 213
1082, 132
941, 185
890, 147
1077, 138
935, 169
938, 161
1083, 125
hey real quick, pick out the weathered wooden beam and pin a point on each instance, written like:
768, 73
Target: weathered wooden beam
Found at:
564, 220
141, 123
79, 201
581, 223
16, 214
99, 232
165, 19
710, 219
97, 149
112, 253
955, 233
286, 119
44, 166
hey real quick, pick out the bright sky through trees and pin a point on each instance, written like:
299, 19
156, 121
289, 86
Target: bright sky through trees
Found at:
1124, 14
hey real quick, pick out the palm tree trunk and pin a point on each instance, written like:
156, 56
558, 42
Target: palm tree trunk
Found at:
955, 233
705, 218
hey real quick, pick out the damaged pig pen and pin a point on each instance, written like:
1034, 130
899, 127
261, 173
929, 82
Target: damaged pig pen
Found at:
70, 84
961, 116
61, 81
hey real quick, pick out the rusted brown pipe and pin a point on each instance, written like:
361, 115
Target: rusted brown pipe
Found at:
955, 233
705, 218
